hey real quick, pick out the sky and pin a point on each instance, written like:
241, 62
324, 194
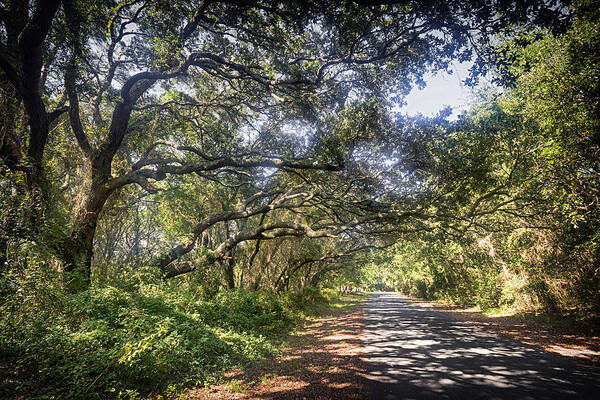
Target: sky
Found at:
443, 89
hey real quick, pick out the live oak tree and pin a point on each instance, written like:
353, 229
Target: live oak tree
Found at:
167, 150
98, 96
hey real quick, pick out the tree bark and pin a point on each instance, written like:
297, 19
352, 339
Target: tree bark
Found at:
77, 250
229, 270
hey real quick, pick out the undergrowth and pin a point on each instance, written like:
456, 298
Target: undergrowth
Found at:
133, 340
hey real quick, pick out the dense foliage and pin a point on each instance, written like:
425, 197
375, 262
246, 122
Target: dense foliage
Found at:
180, 180
136, 338
522, 174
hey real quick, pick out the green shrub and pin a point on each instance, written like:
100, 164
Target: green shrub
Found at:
124, 342
306, 299
256, 312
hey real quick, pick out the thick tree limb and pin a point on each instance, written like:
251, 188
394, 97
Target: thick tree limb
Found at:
280, 202
76, 125
160, 172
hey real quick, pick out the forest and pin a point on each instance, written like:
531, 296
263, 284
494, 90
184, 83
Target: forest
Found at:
180, 181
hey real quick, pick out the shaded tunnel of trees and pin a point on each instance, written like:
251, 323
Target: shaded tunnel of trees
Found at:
256, 148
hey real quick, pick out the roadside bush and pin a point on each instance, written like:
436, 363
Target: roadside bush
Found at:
257, 312
306, 299
111, 342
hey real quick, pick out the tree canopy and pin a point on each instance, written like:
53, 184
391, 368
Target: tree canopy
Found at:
274, 101
179, 179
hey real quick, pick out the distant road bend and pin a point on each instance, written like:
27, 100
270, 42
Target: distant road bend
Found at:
415, 353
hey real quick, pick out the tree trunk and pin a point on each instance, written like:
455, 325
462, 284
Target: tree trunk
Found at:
256, 284
78, 248
3, 255
229, 271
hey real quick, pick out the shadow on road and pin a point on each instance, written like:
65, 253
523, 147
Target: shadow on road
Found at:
415, 353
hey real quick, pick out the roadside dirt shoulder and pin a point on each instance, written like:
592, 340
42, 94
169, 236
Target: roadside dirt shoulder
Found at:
321, 361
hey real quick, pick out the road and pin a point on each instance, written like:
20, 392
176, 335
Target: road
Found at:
415, 353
